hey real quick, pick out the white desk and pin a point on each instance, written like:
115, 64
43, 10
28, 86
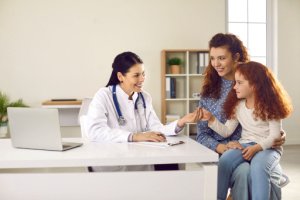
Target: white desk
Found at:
200, 183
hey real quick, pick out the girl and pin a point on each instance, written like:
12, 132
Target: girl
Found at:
258, 103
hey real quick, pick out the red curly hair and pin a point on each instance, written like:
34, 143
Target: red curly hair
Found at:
212, 81
271, 100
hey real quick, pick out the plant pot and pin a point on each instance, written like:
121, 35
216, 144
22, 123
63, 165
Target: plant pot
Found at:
3, 131
175, 69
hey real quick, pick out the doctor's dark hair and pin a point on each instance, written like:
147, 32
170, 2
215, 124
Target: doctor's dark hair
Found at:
122, 63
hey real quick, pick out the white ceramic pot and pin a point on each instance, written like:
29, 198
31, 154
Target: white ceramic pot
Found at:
3, 131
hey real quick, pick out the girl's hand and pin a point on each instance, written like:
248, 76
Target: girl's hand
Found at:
250, 151
150, 136
190, 118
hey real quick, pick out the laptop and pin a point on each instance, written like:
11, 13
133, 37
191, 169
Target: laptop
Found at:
36, 128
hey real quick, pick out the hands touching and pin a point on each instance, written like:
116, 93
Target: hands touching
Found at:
152, 136
197, 115
190, 118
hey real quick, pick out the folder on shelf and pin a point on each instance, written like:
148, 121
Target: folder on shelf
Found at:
201, 62
206, 59
198, 64
168, 87
173, 88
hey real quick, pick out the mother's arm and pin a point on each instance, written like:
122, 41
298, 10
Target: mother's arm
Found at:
204, 137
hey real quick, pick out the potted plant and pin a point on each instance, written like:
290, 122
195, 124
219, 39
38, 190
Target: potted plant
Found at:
4, 104
174, 64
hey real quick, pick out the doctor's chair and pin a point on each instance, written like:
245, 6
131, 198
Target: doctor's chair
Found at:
82, 115
82, 119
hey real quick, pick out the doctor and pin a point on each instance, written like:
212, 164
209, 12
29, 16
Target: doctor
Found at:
123, 112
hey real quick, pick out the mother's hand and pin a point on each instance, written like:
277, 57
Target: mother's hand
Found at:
234, 145
278, 142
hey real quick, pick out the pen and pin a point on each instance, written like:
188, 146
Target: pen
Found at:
175, 143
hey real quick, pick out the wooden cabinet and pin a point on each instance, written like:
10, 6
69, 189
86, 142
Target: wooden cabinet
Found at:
180, 90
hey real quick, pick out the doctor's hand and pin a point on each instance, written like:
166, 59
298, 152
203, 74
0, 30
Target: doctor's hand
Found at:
190, 118
150, 136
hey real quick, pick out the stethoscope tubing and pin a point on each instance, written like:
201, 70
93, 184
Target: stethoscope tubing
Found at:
121, 119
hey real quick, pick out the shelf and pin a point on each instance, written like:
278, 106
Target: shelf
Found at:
184, 88
60, 103
176, 75
68, 111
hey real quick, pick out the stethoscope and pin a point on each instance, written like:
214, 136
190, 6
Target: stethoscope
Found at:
121, 119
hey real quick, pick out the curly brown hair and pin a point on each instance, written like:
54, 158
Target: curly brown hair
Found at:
212, 81
271, 100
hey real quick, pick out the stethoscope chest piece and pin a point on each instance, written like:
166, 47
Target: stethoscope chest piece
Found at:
121, 121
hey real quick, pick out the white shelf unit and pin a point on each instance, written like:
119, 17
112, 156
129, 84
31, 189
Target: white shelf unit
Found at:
188, 82
68, 114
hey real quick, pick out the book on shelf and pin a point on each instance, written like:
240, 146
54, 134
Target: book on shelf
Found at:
173, 87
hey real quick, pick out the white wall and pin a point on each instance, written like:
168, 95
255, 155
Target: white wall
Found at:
64, 48
289, 61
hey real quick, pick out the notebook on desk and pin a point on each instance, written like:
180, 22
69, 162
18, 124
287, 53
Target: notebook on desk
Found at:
36, 128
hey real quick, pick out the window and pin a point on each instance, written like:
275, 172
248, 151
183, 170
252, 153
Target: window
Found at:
251, 21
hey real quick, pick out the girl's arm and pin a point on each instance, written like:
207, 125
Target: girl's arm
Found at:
225, 130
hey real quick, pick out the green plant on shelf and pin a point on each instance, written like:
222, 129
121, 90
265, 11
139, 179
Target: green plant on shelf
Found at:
174, 61
175, 65
4, 104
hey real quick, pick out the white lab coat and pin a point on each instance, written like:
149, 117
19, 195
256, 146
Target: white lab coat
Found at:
102, 121
102, 118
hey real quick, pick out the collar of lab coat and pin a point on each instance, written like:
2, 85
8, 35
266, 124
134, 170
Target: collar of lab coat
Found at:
123, 94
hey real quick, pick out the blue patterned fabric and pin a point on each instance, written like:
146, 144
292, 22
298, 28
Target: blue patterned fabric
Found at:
207, 136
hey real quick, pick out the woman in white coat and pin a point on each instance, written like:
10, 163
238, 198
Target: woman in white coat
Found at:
123, 112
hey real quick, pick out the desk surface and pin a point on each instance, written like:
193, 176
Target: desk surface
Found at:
105, 154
